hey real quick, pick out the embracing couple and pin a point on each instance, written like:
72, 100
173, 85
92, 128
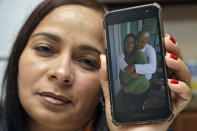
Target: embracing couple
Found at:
137, 66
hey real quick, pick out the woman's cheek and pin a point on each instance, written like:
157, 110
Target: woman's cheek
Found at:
31, 74
31, 69
89, 84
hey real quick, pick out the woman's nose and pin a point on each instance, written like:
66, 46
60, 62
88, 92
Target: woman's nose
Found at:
61, 71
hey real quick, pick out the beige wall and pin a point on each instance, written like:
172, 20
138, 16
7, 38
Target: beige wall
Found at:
180, 21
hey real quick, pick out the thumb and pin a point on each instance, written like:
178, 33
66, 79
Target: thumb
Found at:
105, 86
103, 76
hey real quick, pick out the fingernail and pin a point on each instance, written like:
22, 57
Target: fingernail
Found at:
174, 81
173, 56
100, 62
171, 39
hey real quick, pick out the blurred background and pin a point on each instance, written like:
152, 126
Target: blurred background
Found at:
179, 19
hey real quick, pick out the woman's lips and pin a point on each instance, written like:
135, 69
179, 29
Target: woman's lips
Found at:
54, 99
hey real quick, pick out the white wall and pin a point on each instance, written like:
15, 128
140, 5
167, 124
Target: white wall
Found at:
12, 15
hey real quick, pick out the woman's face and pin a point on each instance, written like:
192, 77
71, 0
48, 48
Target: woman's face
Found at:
58, 77
129, 45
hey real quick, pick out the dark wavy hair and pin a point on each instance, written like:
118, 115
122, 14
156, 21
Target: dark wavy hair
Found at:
13, 112
126, 37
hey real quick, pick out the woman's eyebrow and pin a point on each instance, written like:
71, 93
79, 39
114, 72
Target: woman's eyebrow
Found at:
89, 48
48, 35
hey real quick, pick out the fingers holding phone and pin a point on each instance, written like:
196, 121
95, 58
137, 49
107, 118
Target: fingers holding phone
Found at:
172, 46
181, 96
180, 75
174, 60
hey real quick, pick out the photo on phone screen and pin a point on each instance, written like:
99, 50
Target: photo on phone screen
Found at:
136, 65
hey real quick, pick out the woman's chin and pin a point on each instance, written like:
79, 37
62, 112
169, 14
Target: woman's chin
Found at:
49, 117
55, 121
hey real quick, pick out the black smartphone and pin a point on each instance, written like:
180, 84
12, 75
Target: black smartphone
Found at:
136, 67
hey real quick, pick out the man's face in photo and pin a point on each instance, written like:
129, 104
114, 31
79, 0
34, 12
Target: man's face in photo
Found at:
141, 42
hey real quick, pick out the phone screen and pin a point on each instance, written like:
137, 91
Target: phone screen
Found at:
136, 65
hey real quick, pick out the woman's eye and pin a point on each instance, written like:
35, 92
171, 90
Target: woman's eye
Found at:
89, 64
44, 50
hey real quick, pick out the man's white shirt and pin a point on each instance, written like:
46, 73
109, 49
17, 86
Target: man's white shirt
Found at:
149, 68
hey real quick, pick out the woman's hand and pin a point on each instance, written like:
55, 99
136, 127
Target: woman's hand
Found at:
134, 75
125, 89
130, 69
179, 75
178, 83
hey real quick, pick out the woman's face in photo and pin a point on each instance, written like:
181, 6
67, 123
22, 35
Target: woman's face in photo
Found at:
58, 78
129, 45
